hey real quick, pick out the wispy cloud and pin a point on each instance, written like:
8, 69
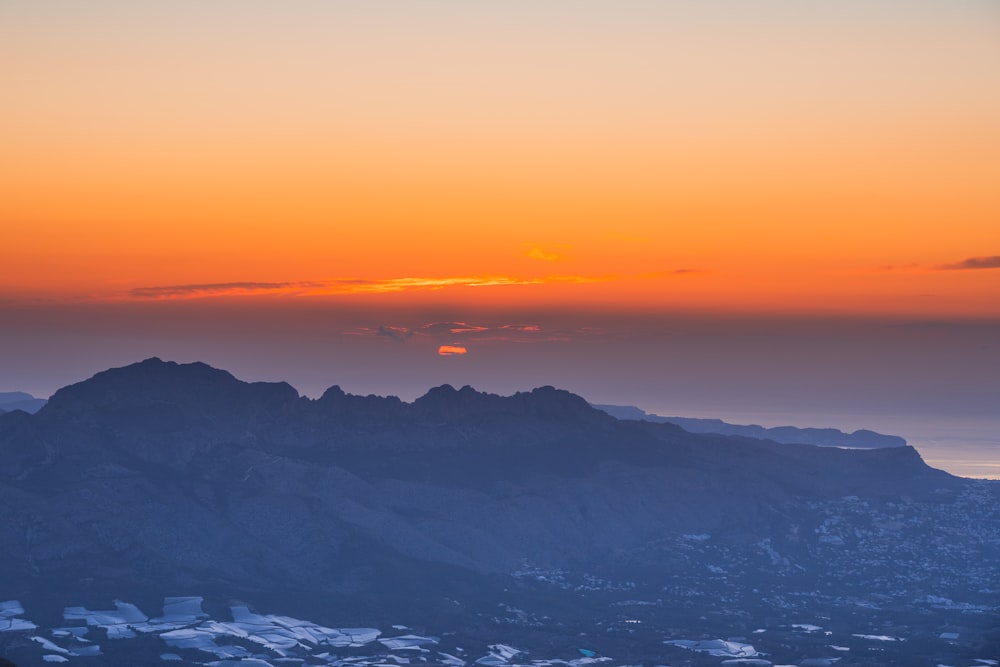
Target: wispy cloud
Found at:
544, 254
526, 328
365, 286
972, 263
452, 350
464, 333
449, 328
401, 284
216, 289
398, 334
345, 286
671, 273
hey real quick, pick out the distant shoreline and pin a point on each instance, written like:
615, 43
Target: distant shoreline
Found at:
965, 459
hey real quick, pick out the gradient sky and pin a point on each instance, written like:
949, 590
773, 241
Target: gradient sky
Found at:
778, 210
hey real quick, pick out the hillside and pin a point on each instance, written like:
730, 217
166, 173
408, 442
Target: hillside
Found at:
163, 479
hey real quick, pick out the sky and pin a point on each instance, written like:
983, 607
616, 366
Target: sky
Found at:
780, 211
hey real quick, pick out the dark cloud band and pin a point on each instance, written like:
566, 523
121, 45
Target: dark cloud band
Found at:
972, 263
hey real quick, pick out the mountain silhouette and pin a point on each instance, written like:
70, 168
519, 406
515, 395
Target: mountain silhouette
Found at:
164, 478
823, 437
19, 400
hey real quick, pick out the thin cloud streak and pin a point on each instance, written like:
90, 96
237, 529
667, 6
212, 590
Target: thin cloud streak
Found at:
344, 286
973, 263
542, 254
215, 289
398, 334
451, 331
672, 273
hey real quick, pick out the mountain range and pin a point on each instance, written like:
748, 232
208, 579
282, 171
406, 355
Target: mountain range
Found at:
161, 479
822, 437
19, 400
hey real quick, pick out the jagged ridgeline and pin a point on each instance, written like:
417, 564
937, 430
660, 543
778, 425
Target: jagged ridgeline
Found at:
528, 518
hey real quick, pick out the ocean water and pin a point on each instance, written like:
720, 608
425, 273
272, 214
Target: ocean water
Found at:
964, 446
961, 451
979, 460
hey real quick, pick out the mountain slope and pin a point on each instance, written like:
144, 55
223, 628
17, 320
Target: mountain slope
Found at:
176, 479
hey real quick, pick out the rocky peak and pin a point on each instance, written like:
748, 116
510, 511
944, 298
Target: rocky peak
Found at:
195, 387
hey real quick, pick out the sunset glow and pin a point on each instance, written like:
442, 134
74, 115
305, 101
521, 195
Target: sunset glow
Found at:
786, 162
327, 182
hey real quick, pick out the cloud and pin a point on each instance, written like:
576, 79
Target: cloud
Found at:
512, 333
521, 327
339, 286
400, 284
450, 343
451, 328
216, 289
399, 334
671, 273
992, 262
537, 252
453, 331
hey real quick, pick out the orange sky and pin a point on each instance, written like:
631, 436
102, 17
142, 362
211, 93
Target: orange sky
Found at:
776, 211
635, 154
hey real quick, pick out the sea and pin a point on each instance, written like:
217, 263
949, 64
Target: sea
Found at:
962, 448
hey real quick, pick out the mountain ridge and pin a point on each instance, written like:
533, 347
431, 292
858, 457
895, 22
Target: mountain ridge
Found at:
20, 400
823, 437
160, 401
171, 479
349, 403
171, 414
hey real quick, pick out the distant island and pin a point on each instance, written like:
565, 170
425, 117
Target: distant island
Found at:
822, 437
